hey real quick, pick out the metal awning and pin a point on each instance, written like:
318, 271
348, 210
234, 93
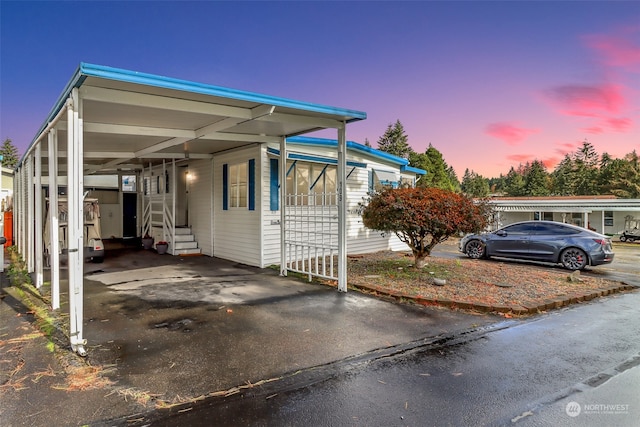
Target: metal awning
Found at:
132, 119
386, 177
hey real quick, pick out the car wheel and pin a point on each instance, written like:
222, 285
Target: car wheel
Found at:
573, 259
475, 249
623, 239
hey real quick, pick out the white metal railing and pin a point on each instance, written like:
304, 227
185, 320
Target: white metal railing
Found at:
311, 235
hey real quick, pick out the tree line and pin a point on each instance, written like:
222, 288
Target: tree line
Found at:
581, 173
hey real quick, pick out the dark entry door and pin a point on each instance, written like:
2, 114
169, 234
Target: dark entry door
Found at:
129, 215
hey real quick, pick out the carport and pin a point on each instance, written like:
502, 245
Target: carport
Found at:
109, 119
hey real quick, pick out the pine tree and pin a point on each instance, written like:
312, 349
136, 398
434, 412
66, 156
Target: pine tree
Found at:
9, 154
437, 169
394, 141
536, 180
474, 185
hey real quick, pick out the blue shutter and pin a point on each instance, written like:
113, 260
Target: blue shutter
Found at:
252, 184
225, 187
274, 183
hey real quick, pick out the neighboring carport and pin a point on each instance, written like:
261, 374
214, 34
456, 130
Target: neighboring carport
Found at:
108, 119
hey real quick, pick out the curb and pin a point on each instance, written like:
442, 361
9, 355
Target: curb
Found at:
522, 309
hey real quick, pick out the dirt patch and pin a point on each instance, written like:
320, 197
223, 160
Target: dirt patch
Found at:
488, 285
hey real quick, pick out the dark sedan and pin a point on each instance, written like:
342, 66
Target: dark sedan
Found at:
546, 241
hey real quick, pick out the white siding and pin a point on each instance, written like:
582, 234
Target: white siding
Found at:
271, 219
359, 238
201, 203
237, 231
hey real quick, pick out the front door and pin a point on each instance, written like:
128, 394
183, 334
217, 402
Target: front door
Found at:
129, 215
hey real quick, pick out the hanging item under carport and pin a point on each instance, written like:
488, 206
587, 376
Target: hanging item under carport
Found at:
93, 246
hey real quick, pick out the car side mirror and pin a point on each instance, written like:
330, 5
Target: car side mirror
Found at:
501, 233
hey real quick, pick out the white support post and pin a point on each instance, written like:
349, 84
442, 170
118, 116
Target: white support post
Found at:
17, 207
75, 224
173, 204
586, 220
54, 231
342, 209
282, 171
38, 251
30, 213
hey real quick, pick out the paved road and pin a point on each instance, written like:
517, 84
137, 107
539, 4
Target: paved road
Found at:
575, 367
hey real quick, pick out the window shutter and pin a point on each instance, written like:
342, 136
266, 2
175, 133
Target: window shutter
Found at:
273, 188
225, 187
252, 184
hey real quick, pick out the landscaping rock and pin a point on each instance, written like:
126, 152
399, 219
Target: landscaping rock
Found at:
439, 282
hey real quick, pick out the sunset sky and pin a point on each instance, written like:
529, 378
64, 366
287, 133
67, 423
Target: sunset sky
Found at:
489, 84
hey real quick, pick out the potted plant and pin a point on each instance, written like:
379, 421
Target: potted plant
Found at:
147, 241
162, 247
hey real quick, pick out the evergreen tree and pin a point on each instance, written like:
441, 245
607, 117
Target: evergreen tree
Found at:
367, 143
474, 185
536, 180
437, 169
9, 154
585, 161
514, 184
622, 176
563, 176
453, 178
394, 141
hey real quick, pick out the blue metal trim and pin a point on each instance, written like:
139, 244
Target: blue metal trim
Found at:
350, 145
411, 169
189, 86
317, 159
274, 178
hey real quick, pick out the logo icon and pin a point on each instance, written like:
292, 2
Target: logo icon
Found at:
573, 409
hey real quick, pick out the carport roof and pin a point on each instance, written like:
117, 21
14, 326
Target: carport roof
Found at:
134, 117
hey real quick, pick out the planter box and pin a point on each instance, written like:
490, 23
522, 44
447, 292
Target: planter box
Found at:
162, 249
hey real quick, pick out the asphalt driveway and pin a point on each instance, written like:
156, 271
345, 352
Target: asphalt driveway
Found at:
166, 330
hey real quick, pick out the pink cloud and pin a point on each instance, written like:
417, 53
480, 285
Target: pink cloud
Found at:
508, 132
550, 163
566, 147
595, 130
620, 125
616, 51
588, 101
521, 158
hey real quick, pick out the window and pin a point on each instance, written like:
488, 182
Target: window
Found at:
384, 179
238, 185
311, 183
128, 183
608, 218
